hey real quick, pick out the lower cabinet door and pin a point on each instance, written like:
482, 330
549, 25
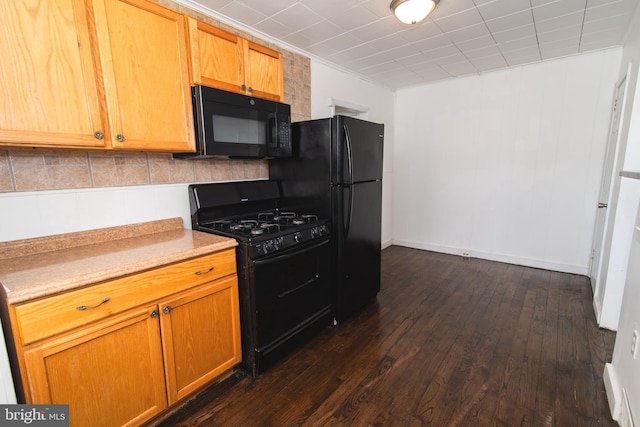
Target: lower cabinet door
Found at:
200, 335
110, 373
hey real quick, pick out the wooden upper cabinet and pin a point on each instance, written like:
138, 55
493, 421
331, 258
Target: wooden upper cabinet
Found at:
225, 61
49, 90
102, 74
263, 72
143, 51
217, 57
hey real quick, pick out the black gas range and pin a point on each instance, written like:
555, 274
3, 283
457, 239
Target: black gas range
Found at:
284, 264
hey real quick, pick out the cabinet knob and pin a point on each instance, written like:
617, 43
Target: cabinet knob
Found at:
120, 137
250, 89
154, 313
167, 309
98, 134
244, 87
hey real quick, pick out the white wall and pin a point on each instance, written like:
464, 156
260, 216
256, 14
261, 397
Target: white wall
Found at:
43, 213
622, 375
327, 84
506, 165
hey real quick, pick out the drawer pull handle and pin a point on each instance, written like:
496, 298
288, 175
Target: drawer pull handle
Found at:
200, 273
87, 307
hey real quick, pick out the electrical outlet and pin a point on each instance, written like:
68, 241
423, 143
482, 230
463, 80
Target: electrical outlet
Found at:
634, 344
466, 254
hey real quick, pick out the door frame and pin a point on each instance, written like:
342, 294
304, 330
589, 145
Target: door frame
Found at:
603, 227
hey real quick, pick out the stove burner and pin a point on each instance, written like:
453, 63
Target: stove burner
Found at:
270, 227
266, 216
284, 217
222, 225
243, 227
305, 219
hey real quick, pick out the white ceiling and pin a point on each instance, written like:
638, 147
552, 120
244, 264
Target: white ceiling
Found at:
460, 37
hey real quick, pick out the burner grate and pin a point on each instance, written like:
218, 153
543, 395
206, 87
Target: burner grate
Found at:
263, 223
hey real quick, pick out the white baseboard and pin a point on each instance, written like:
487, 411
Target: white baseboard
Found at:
597, 308
626, 417
612, 387
527, 262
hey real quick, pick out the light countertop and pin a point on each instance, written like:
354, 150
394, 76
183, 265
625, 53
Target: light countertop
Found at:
35, 268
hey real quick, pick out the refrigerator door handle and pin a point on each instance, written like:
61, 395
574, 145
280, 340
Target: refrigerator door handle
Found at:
347, 138
349, 214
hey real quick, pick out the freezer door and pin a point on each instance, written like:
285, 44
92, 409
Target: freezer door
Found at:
358, 148
357, 237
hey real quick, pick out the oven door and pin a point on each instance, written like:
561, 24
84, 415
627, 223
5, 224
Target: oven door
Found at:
292, 290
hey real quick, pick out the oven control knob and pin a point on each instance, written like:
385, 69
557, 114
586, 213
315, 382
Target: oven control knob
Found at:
298, 237
268, 246
279, 243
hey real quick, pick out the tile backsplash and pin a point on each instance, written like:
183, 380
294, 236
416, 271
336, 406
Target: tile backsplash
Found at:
23, 169
29, 170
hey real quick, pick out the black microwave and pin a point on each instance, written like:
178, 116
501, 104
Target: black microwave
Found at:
231, 125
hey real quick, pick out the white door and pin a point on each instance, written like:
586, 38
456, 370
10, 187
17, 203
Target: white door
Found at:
600, 254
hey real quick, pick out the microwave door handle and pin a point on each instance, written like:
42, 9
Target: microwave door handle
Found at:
272, 143
273, 124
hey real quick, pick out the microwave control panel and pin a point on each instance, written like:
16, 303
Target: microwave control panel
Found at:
281, 147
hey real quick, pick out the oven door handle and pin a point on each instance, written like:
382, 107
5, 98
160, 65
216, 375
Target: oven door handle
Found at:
297, 288
291, 253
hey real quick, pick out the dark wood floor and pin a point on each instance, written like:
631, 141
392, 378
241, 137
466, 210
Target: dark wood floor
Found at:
449, 342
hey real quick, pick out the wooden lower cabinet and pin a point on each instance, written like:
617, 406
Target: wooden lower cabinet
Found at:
110, 374
200, 336
127, 367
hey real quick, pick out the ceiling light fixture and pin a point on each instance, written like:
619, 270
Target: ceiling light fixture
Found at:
412, 11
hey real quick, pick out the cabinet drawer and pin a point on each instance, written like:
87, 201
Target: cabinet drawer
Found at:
49, 316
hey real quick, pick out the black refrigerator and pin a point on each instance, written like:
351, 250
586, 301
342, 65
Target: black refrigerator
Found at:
336, 171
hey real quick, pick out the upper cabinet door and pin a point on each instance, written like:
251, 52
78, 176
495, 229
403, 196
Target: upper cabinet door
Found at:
217, 57
263, 72
49, 92
143, 51
225, 61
